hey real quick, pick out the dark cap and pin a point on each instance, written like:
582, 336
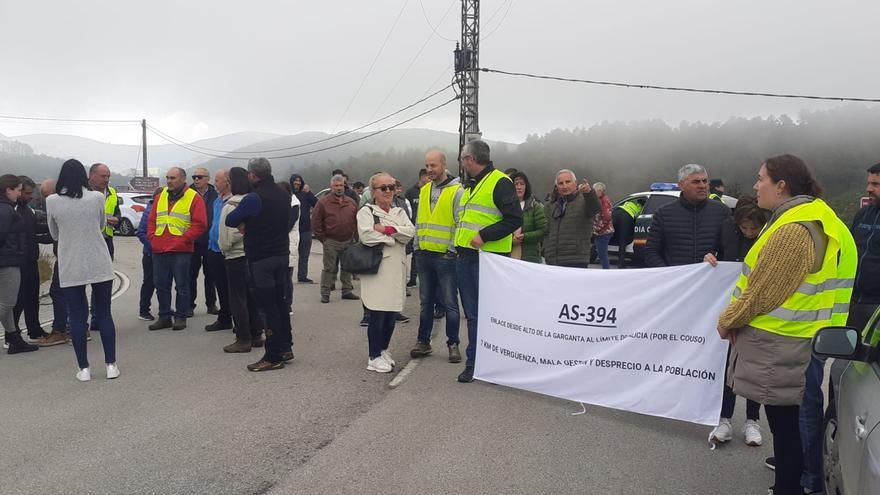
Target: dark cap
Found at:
716, 182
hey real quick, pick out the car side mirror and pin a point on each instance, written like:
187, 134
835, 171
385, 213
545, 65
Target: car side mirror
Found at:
836, 342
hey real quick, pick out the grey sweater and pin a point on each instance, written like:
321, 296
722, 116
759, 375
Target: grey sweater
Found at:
83, 257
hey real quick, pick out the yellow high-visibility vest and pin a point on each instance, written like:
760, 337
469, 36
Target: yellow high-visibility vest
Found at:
632, 208
179, 218
479, 211
823, 297
714, 196
110, 204
436, 228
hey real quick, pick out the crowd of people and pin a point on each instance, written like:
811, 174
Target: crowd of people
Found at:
803, 268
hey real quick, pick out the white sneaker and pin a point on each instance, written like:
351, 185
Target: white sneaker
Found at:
379, 365
387, 357
723, 432
752, 432
84, 375
112, 371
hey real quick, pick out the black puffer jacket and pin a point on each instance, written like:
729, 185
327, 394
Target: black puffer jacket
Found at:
12, 234
866, 232
682, 232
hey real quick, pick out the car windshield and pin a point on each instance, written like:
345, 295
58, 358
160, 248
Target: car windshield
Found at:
656, 201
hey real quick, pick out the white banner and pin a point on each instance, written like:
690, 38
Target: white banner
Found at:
637, 340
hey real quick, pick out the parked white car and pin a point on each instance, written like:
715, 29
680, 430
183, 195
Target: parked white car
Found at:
131, 207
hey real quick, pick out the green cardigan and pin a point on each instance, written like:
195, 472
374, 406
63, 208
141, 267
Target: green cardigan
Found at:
533, 230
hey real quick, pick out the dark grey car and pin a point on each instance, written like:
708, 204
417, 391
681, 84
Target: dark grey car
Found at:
852, 436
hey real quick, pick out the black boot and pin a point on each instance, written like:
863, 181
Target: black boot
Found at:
17, 344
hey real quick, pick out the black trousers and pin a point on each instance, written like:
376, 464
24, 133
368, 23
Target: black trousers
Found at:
624, 226
148, 287
268, 275
785, 426
215, 268
198, 258
242, 304
29, 299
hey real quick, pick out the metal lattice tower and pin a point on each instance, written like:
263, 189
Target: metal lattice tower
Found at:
467, 69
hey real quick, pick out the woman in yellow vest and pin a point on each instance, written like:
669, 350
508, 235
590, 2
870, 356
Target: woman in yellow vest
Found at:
796, 278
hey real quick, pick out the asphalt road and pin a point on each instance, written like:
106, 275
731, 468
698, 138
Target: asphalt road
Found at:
186, 418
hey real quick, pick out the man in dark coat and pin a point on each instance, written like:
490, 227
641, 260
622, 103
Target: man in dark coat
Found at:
684, 231
866, 232
29, 290
569, 227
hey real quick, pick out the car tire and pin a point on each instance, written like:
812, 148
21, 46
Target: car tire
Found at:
126, 228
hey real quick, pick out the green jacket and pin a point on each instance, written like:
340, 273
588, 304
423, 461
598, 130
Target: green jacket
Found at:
533, 230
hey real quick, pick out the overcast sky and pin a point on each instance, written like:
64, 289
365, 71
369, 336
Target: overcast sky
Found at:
199, 68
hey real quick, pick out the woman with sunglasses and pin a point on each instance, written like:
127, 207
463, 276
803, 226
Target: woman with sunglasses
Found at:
384, 293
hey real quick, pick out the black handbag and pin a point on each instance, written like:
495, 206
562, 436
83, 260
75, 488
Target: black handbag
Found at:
362, 259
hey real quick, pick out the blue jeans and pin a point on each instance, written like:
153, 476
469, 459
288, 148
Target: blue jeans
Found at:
811, 420
437, 277
78, 307
379, 331
147, 287
602, 249
468, 272
168, 267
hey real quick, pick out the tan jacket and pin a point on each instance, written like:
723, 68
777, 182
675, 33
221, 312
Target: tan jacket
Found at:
386, 290
230, 240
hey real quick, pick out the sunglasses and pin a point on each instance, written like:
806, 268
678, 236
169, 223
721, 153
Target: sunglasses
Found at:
197, 177
385, 188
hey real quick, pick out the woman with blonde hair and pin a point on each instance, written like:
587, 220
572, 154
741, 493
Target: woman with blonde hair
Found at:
383, 294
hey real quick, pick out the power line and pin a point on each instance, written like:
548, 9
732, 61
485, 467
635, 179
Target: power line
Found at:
497, 26
303, 145
411, 62
303, 153
372, 64
434, 29
689, 90
50, 119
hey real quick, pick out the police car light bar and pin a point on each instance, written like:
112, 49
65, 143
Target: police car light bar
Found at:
664, 186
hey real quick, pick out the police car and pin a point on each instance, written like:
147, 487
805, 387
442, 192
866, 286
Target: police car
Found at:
660, 194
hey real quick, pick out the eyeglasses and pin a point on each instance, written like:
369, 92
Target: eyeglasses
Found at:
197, 177
385, 188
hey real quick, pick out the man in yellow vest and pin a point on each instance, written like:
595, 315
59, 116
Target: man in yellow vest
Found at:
177, 219
623, 217
490, 214
99, 180
439, 209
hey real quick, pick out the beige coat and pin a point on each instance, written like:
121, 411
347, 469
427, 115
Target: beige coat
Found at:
768, 368
230, 240
386, 290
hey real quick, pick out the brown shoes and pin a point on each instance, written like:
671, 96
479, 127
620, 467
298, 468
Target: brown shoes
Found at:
257, 341
161, 324
179, 324
238, 346
54, 338
421, 349
263, 365
287, 357
454, 353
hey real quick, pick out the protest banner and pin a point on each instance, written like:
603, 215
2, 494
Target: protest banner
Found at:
638, 340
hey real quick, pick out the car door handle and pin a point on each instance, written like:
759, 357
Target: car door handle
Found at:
860, 429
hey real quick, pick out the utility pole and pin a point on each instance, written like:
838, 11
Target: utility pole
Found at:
467, 69
144, 144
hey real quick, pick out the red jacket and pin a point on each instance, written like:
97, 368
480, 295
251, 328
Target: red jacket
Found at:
169, 243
